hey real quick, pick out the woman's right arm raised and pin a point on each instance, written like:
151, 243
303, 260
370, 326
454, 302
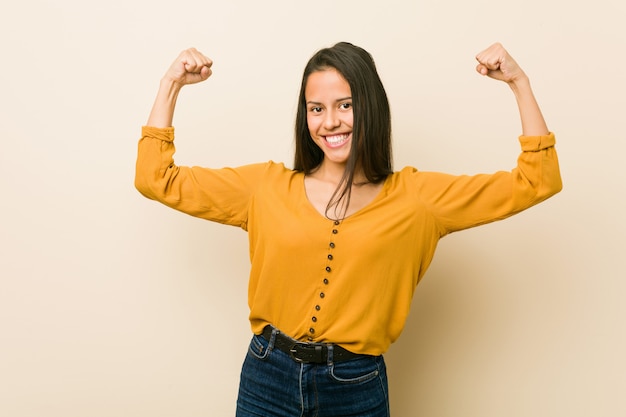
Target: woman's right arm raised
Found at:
190, 67
221, 195
156, 175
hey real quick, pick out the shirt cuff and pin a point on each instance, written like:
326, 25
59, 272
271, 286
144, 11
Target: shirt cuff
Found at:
161, 133
537, 143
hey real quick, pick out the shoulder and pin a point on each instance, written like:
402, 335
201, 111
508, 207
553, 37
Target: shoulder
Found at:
270, 173
263, 169
410, 177
278, 170
406, 174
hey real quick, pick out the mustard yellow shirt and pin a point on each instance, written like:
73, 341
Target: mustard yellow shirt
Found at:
348, 282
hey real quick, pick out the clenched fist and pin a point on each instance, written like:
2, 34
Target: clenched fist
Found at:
190, 67
495, 62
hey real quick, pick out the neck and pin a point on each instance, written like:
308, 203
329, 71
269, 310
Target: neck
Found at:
333, 173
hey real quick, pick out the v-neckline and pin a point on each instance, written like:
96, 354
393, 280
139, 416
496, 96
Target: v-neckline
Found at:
379, 194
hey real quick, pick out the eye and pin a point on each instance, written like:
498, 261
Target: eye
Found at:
316, 109
345, 106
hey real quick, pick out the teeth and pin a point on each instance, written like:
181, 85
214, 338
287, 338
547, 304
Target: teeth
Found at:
336, 139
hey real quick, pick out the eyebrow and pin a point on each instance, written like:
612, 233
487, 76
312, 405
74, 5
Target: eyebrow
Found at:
336, 101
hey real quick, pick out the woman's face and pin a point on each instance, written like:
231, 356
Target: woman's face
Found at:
329, 114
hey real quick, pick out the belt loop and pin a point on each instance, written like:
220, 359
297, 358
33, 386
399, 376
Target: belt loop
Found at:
329, 358
272, 340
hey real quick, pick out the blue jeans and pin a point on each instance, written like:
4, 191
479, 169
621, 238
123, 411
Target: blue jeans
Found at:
274, 385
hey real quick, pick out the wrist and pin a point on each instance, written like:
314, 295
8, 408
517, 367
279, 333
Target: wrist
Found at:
169, 86
520, 84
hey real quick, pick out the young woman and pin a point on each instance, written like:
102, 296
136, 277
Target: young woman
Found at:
339, 242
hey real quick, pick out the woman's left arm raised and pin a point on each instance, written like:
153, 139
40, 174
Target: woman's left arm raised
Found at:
460, 202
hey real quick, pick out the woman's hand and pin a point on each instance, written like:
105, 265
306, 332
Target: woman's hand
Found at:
495, 62
190, 67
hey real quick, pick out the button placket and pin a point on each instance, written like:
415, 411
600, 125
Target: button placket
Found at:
328, 269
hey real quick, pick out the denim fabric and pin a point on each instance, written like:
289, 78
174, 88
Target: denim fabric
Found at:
274, 385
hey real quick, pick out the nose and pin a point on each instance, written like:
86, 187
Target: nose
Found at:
331, 120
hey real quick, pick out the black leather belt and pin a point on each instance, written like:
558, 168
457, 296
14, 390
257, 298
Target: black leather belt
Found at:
307, 352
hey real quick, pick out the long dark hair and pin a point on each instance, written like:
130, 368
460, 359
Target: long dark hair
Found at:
371, 130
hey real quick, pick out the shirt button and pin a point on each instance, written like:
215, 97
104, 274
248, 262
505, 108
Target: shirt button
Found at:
328, 269
335, 231
330, 257
332, 245
336, 222
326, 281
318, 308
311, 330
314, 319
322, 295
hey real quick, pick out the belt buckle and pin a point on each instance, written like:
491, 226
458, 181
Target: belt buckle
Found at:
311, 353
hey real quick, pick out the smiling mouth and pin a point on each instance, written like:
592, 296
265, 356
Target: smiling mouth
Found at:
336, 140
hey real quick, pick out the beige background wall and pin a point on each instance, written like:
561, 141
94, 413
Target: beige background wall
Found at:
112, 305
